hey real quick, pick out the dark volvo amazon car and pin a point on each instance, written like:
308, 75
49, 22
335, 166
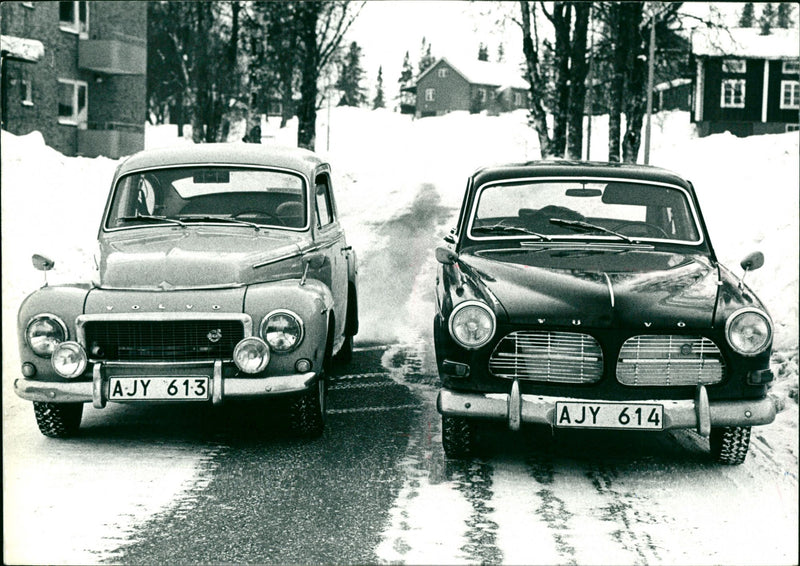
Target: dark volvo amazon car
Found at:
588, 295
223, 273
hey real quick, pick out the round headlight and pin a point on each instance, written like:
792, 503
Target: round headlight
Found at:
251, 355
749, 331
283, 330
44, 333
472, 324
69, 359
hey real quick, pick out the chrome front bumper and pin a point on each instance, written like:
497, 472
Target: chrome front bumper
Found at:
697, 413
96, 391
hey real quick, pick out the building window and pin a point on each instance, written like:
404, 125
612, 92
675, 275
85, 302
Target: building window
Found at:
790, 95
791, 67
430, 94
734, 66
26, 92
517, 99
74, 17
72, 102
792, 127
442, 72
732, 93
482, 94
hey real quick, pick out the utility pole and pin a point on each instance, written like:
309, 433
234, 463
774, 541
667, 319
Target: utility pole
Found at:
650, 72
590, 93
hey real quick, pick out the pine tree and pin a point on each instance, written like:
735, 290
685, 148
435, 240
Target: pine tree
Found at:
404, 82
747, 19
785, 15
483, 52
501, 53
767, 18
350, 75
379, 102
425, 58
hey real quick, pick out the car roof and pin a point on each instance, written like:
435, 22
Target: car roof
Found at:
565, 168
268, 155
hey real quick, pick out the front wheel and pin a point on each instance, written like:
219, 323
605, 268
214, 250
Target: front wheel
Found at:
459, 437
345, 355
58, 420
729, 444
308, 411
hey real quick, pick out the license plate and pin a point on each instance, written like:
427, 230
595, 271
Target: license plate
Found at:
640, 416
158, 388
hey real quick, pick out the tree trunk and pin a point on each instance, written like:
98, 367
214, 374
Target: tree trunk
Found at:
308, 13
579, 70
538, 117
617, 90
636, 95
562, 14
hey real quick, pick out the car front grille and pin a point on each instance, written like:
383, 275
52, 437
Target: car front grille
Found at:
669, 360
162, 340
558, 357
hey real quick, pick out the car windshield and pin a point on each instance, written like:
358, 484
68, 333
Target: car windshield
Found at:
608, 210
231, 195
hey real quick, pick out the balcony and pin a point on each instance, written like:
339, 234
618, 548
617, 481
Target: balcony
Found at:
121, 55
110, 139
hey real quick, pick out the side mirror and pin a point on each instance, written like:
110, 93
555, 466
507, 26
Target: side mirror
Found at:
315, 260
42, 263
451, 237
445, 256
752, 261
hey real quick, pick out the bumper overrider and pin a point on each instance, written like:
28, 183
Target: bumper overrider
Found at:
698, 413
97, 390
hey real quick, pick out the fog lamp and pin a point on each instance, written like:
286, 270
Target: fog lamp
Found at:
69, 359
251, 355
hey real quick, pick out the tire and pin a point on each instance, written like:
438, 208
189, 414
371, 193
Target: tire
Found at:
729, 444
345, 355
308, 411
58, 420
459, 438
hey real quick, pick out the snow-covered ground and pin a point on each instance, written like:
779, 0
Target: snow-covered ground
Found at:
387, 168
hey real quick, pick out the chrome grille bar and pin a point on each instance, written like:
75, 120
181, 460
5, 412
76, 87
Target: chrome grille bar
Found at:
558, 357
669, 360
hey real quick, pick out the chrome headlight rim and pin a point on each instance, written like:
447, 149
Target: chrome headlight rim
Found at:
472, 303
57, 320
736, 315
265, 322
77, 349
244, 342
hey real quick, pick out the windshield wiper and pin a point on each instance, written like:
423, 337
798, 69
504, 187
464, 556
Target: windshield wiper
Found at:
150, 218
220, 219
505, 228
581, 225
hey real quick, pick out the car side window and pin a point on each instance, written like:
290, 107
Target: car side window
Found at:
323, 200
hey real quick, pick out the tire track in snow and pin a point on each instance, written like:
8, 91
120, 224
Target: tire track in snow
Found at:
627, 510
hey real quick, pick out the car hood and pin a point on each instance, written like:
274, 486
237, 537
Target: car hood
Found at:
598, 288
198, 257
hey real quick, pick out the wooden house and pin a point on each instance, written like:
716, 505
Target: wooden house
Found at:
746, 83
473, 86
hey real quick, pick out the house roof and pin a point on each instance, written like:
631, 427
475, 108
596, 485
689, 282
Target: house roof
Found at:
484, 73
21, 48
747, 42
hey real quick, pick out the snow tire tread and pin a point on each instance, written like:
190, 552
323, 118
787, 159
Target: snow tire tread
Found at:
307, 416
729, 445
58, 420
458, 437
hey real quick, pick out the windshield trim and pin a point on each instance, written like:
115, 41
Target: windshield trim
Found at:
118, 178
583, 236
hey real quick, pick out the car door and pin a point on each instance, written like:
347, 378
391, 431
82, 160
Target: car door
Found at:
329, 239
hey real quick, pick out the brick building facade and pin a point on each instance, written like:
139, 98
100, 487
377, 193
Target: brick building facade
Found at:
86, 92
